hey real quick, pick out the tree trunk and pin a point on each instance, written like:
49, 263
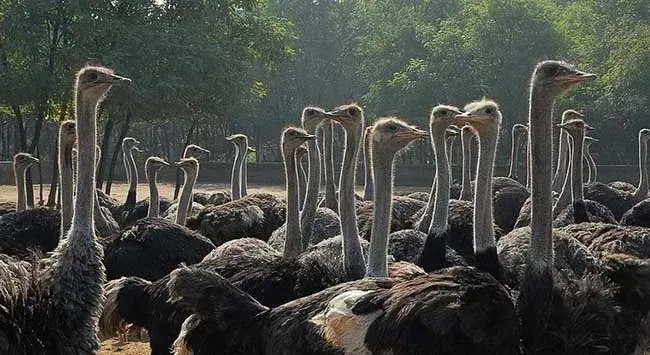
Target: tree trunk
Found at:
118, 144
106, 140
178, 170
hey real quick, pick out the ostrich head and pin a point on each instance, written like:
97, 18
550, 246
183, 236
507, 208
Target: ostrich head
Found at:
520, 129
130, 143
644, 134
452, 131
349, 116
484, 116
68, 132
571, 115
556, 77
155, 163
301, 152
468, 130
95, 82
589, 140
294, 137
443, 116
574, 126
194, 151
312, 117
24, 160
187, 164
390, 135
240, 140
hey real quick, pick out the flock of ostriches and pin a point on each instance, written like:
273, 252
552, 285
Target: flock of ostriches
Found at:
550, 266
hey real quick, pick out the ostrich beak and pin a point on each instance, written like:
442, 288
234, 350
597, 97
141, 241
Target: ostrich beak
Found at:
178, 164
576, 77
116, 79
230, 138
138, 149
413, 133
35, 160
308, 137
165, 162
588, 127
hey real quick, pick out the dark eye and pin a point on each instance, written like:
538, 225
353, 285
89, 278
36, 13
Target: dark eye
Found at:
92, 76
310, 112
443, 112
392, 128
488, 111
352, 111
551, 71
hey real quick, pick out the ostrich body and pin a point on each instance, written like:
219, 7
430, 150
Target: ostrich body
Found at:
619, 201
579, 210
24, 231
241, 149
518, 130
153, 246
591, 164
58, 312
466, 135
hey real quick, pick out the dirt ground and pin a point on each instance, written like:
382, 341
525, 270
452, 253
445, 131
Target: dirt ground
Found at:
110, 347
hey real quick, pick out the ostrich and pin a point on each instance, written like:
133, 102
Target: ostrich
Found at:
580, 210
564, 303
241, 148
328, 165
199, 200
619, 201
105, 224
591, 164
57, 313
301, 153
22, 162
368, 185
66, 140
375, 310
244, 172
129, 144
518, 130
451, 135
466, 134
153, 246
565, 196
563, 151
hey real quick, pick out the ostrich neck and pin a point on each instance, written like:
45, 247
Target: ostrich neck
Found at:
66, 177
465, 192
566, 194
593, 170
352, 256
21, 188
382, 171
293, 240
302, 184
235, 183
311, 196
642, 190
127, 166
514, 154
450, 156
440, 208
483, 230
328, 157
186, 195
244, 175
154, 198
368, 185
577, 193
541, 143
133, 184
562, 160
83, 205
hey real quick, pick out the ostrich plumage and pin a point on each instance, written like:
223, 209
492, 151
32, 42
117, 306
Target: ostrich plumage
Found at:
55, 310
402, 214
326, 225
638, 215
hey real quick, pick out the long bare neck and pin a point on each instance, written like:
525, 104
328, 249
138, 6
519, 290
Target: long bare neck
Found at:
186, 196
21, 188
82, 219
450, 156
562, 160
382, 170
133, 184
593, 169
576, 166
441, 204
313, 184
368, 185
244, 175
154, 198
642, 190
529, 168
328, 155
293, 240
302, 183
514, 154
127, 165
352, 256
541, 143
566, 194
66, 178
235, 182
466, 189
483, 229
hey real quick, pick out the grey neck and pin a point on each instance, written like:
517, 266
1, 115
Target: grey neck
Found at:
483, 229
154, 198
541, 143
577, 193
382, 170
82, 219
127, 165
441, 205
328, 156
450, 157
368, 185
466, 189
566, 194
642, 190
593, 169
353, 261
562, 160
235, 183
244, 175
66, 178
133, 184
293, 240
21, 187
186, 195
302, 183
529, 172
514, 155
313, 184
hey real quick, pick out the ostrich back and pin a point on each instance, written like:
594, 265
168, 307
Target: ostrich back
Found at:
32, 229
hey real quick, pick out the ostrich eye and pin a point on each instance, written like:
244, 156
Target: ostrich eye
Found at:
352, 111
488, 111
443, 112
92, 76
551, 71
310, 112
